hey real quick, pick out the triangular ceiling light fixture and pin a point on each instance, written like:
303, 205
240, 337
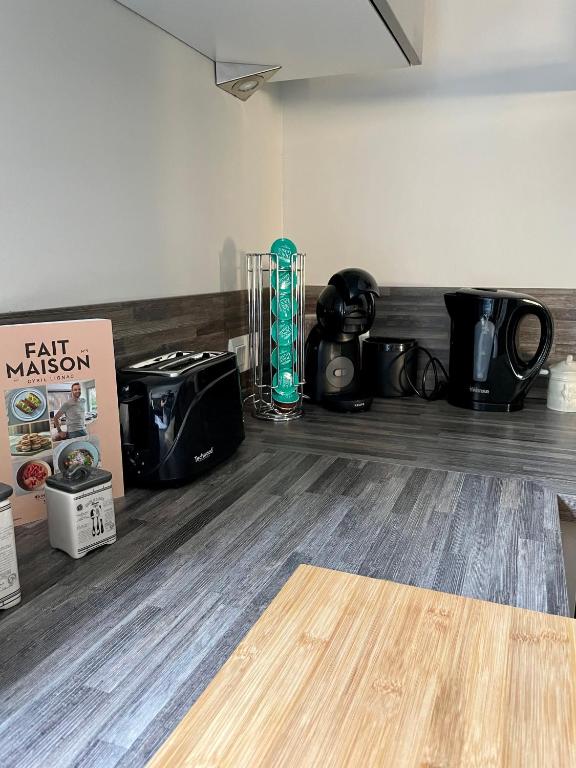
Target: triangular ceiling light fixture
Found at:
242, 80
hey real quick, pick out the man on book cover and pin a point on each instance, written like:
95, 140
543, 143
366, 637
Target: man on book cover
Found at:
75, 411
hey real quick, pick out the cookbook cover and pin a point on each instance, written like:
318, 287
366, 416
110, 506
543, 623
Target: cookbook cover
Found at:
58, 407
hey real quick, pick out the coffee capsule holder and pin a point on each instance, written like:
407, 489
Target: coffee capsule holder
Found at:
276, 334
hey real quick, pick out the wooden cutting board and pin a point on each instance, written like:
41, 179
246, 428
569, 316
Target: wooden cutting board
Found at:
345, 670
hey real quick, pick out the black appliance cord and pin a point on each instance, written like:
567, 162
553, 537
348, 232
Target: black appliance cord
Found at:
433, 364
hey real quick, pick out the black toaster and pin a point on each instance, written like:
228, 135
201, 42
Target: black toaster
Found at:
180, 415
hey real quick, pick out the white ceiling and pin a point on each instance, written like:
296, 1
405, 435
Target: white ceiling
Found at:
308, 38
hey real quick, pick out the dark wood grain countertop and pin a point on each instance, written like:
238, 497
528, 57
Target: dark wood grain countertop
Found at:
533, 444
106, 654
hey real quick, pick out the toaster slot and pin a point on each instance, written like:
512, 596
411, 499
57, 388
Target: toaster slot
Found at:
173, 363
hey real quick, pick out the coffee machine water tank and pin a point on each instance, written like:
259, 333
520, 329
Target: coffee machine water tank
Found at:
487, 370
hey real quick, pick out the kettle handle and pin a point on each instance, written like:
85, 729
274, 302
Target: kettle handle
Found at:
525, 369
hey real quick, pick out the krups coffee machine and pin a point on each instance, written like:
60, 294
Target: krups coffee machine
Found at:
333, 371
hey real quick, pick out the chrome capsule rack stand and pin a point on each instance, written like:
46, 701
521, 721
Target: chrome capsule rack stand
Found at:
276, 335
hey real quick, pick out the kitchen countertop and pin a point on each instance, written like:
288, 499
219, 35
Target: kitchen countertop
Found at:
534, 443
342, 670
106, 654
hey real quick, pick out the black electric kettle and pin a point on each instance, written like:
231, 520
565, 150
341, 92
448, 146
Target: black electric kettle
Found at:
487, 371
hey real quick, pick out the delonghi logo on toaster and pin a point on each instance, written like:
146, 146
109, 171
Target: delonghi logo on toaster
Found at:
203, 456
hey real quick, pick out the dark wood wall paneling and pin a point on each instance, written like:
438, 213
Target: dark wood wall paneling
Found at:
153, 326
207, 321
420, 313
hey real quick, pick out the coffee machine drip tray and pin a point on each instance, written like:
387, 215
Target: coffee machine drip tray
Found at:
346, 404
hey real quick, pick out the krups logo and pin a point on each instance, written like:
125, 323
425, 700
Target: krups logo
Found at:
203, 456
480, 391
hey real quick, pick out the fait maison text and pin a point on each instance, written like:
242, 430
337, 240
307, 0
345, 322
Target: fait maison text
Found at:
49, 357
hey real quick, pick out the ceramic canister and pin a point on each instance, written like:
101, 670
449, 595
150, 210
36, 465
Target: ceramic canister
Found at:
80, 510
562, 386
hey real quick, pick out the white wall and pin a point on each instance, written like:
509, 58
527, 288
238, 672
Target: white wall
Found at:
124, 172
459, 172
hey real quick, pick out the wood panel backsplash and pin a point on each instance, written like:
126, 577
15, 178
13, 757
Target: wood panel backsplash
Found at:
207, 321
420, 313
153, 326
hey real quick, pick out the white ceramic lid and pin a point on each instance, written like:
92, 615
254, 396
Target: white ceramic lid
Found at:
564, 370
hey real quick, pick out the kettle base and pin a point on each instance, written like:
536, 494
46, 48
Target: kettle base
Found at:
490, 407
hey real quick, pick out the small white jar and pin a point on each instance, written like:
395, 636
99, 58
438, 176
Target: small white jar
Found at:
562, 386
80, 510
